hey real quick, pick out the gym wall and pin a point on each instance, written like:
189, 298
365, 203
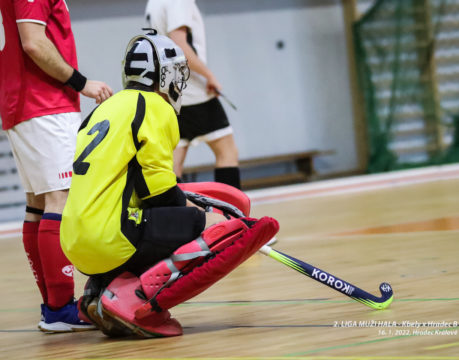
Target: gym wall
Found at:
283, 63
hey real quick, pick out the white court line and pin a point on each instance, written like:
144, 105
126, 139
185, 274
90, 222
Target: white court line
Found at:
354, 184
322, 188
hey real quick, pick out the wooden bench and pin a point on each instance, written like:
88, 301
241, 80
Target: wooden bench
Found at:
301, 164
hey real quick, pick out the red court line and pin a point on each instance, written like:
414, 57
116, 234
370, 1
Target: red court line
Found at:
440, 224
10, 231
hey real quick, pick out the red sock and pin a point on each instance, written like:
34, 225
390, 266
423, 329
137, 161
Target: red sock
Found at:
30, 240
57, 270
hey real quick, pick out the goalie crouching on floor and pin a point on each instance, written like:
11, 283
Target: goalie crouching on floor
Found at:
128, 225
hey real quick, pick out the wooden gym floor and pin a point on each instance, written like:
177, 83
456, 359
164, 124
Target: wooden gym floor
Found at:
383, 229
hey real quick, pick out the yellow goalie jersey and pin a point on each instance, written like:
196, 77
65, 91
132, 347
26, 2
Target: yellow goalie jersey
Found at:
124, 153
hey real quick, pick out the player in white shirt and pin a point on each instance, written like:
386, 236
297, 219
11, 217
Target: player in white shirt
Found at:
202, 117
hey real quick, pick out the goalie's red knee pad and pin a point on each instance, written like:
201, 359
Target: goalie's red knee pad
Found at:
190, 255
119, 302
221, 192
213, 269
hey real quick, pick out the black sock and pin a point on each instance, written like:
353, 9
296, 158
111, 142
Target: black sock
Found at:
228, 175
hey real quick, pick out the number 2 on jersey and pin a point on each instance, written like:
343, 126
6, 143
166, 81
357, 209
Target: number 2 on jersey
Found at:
79, 166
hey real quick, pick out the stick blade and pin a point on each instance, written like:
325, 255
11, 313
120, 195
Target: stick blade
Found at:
387, 295
376, 303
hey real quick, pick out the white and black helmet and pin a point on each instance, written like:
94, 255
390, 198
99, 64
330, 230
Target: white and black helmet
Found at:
153, 58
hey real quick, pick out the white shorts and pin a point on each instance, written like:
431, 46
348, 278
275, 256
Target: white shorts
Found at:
214, 135
43, 148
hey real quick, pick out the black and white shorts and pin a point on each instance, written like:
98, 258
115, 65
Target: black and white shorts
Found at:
203, 122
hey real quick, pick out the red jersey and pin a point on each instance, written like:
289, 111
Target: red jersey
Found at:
25, 90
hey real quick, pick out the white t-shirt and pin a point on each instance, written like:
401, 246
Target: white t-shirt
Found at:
168, 15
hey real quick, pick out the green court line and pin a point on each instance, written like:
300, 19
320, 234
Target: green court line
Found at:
295, 302
363, 343
228, 327
442, 346
262, 302
35, 309
297, 358
347, 345
272, 326
418, 300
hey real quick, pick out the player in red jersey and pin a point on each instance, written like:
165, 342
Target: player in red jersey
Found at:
40, 112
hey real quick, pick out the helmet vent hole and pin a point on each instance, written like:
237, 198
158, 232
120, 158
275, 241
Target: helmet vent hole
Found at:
170, 53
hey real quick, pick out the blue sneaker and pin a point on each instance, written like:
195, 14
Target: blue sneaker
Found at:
63, 320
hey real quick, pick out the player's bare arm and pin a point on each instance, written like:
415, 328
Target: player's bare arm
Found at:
43, 52
195, 64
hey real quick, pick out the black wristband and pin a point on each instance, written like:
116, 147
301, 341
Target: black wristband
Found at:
76, 81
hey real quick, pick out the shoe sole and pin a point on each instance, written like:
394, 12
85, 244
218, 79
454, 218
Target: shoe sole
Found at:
135, 329
109, 326
61, 327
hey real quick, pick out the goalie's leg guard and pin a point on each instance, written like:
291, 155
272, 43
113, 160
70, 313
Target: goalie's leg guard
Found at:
127, 293
120, 301
202, 277
188, 256
219, 192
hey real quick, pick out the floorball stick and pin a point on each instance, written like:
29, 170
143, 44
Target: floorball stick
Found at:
342, 286
226, 99
335, 283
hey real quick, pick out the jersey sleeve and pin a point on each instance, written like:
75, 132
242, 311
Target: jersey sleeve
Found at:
179, 13
172, 197
158, 136
36, 11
